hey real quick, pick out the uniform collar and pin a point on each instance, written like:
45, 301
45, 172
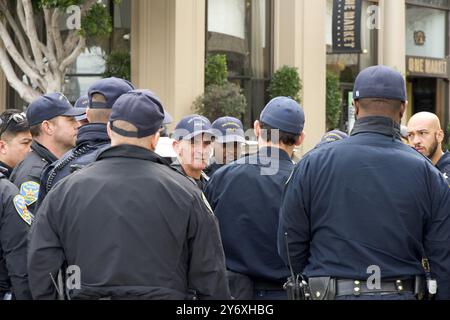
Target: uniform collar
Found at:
134, 152
377, 124
5, 169
274, 152
94, 133
177, 166
43, 152
443, 161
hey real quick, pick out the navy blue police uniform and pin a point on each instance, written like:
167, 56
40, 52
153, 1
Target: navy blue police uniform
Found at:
444, 165
5, 169
26, 176
246, 196
169, 245
226, 130
92, 138
15, 221
367, 203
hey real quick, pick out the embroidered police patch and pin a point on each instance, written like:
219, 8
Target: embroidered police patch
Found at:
207, 204
21, 208
30, 191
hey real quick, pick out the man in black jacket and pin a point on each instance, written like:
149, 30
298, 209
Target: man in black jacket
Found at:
54, 129
15, 221
159, 239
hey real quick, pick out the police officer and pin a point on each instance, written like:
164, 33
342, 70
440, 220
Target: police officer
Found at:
332, 136
426, 136
159, 239
92, 138
15, 140
359, 215
82, 103
229, 138
193, 137
54, 130
15, 221
246, 197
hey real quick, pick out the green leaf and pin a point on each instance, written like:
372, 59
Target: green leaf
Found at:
286, 82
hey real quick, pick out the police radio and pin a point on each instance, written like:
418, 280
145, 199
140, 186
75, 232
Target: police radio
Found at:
296, 286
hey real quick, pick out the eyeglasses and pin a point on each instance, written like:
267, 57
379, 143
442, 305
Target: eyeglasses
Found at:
18, 118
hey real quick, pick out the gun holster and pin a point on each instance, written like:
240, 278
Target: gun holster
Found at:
323, 288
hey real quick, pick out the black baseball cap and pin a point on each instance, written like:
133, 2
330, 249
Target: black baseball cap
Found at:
111, 88
50, 106
142, 109
380, 82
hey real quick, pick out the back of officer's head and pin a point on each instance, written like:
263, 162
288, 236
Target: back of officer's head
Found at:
281, 122
136, 119
102, 95
380, 91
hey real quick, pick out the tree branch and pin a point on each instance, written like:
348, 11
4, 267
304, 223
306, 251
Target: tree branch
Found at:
73, 56
25, 92
50, 54
18, 33
21, 15
32, 34
15, 55
56, 32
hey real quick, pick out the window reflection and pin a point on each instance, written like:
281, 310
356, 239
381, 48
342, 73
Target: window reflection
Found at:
241, 29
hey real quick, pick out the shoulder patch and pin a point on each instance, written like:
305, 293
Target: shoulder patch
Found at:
30, 191
207, 204
21, 208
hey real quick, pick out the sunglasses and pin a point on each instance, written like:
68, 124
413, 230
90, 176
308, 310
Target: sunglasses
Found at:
18, 118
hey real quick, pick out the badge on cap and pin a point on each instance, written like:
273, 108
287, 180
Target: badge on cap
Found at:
207, 204
21, 208
30, 191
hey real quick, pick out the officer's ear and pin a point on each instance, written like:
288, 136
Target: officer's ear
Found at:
108, 128
154, 141
3, 147
356, 106
403, 108
48, 127
257, 128
176, 147
300, 139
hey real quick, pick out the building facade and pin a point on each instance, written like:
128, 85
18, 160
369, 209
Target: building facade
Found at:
169, 40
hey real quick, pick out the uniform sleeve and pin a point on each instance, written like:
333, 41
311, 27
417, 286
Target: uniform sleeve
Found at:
207, 270
45, 253
211, 188
437, 236
294, 221
14, 232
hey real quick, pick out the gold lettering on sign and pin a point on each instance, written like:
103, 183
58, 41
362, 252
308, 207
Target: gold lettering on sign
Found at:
427, 66
349, 23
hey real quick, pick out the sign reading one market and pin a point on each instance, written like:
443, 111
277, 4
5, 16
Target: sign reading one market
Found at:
347, 26
427, 67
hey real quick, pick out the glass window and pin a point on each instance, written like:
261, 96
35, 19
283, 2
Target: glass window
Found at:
91, 65
241, 29
347, 66
425, 32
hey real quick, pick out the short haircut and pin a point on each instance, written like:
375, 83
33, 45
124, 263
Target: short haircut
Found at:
99, 115
286, 138
380, 104
36, 130
13, 128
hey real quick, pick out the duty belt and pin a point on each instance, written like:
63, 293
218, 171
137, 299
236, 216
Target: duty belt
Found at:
345, 287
